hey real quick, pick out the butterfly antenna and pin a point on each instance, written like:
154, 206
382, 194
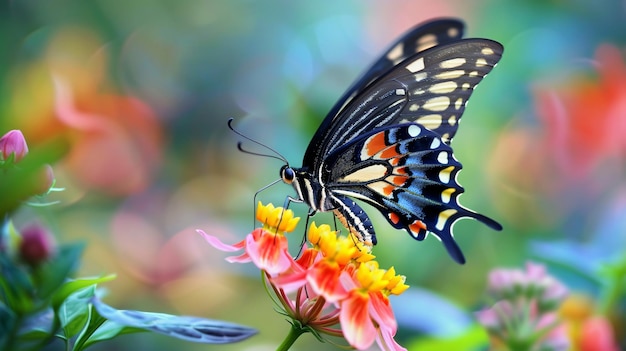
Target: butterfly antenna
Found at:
277, 155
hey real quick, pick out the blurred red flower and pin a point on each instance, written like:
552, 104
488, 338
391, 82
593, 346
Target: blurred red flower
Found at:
584, 122
115, 139
577, 148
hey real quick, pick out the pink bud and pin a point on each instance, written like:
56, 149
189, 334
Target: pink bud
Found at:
37, 244
13, 142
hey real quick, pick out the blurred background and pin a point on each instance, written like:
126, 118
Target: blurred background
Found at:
142, 92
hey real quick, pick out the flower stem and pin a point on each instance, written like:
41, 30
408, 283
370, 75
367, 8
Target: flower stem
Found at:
294, 333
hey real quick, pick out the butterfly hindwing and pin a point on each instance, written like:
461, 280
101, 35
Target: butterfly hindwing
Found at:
409, 174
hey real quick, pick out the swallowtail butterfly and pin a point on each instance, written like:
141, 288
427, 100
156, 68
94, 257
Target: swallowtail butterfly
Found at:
387, 140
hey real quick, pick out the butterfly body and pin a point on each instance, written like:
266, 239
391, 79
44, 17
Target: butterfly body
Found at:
386, 142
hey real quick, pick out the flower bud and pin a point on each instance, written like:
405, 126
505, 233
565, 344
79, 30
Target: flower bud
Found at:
37, 244
14, 143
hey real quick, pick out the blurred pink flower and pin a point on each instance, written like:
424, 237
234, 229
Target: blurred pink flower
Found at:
588, 331
597, 335
524, 315
36, 245
13, 143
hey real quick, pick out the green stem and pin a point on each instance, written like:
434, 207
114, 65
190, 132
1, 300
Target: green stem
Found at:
613, 293
294, 333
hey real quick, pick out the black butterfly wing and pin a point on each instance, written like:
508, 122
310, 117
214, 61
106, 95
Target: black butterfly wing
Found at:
409, 174
421, 37
389, 146
430, 88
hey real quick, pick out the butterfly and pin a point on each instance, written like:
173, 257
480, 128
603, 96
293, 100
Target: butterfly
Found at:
386, 141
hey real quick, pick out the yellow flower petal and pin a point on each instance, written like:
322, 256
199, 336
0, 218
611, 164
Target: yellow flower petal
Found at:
276, 219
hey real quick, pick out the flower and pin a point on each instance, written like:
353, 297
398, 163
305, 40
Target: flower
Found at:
524, 315
36, 245
580, 133
587, 330
266, 247
13, 144
114, 139
336, 281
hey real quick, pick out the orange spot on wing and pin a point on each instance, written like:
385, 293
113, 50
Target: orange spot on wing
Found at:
400, 170
394, 161
388, 190
375, 143
389, 153
417, 226
398, 180
394, 218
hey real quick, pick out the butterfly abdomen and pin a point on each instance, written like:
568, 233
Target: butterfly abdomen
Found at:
352, 217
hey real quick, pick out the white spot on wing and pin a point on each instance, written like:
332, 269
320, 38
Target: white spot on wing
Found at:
430, 121
444, 174
443, 88
435, 144
414, 130
366, 174
442, 158
443, 218
458, 103
446, 195
450, 74
487, 51
416, 65
425, 42
438, 103
396, 52
420, 76
452, 63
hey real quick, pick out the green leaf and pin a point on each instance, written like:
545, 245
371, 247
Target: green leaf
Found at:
475, 338
16, 287
105, 331
37, 326
51, 275
74, 312
7, 324
71, 286
188, 328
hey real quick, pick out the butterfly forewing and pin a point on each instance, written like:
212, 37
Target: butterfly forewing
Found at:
431, 88
418, 39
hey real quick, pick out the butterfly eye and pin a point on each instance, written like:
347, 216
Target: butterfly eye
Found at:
287, 174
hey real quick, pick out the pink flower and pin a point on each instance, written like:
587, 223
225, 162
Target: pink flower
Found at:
597, 335
335, 281
37, 244
13, 143
525, 310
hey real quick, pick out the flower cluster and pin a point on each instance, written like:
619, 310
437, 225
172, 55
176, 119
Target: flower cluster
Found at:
339, 288
525, 313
